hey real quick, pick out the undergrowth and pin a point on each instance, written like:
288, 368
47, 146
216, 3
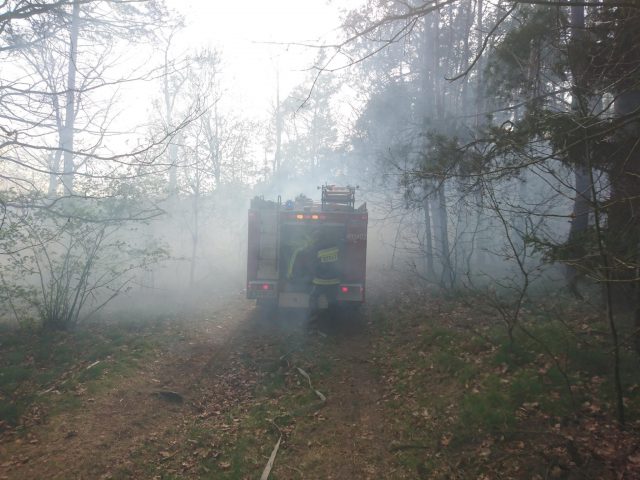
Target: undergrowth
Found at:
468, 401
48, 373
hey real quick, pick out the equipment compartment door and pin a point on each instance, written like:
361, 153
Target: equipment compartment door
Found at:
268, 249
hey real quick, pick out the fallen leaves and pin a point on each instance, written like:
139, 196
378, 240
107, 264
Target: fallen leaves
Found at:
539, 441
634, 458
414, 394
165, 454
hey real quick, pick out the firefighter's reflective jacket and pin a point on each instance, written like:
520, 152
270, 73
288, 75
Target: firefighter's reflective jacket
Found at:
327, 267
301, 262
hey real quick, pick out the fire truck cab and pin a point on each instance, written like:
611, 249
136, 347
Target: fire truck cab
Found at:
284, 241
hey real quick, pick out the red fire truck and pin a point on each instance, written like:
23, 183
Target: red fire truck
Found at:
289, 241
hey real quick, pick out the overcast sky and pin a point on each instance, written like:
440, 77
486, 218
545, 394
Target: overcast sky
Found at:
242, 30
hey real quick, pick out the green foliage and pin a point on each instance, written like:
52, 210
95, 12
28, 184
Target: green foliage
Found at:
491, 410
67, 261
535, 36
512, 354
612, 62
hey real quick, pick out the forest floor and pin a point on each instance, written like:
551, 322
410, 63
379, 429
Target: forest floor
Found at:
411, 387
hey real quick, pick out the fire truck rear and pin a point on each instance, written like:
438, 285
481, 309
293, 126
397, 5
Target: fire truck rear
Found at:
286, 241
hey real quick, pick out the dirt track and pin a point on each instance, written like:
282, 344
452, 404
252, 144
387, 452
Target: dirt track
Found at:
409, 394
203, 396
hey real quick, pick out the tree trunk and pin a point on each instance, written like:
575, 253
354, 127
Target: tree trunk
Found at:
428, 234
583, 198
215, 142
54, 172
169, 99
173, 148
438, 201
620, 249
66, 136
447, 270
195, 235
481, 245
55, 157
624, 216
279, 125
441, 234
623, 213
480, 103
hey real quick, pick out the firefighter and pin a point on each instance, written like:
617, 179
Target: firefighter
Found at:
300, 266
328, 268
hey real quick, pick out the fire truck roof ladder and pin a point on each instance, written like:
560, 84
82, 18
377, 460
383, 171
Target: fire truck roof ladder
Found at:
338, 196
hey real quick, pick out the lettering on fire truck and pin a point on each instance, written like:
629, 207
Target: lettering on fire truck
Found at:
354, 237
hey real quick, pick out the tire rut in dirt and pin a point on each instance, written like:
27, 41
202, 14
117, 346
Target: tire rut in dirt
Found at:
344, 438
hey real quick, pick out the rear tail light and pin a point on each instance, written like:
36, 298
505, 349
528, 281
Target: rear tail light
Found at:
266, 286
351, 292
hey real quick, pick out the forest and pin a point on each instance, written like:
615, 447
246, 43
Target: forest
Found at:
496, 144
